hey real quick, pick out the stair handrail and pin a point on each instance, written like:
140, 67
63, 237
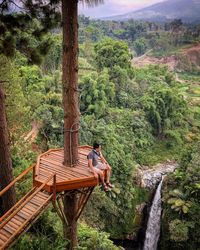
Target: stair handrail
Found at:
12, 183
16, 205
28, 199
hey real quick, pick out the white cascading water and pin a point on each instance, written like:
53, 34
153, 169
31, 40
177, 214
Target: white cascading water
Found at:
153, 225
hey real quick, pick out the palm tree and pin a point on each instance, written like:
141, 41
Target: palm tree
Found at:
70, 103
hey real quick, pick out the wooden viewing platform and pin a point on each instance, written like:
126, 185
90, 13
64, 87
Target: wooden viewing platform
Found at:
50, 179
67, 178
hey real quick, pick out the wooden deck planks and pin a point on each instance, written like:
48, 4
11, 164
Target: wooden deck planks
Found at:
54, 169
58, 167
2, 236
66, 178
9, 229
63, 171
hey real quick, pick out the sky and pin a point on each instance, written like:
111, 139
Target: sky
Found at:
115, 7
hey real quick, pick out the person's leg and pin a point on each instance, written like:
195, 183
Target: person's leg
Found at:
101, 166
100, 174
107, 169
108, 173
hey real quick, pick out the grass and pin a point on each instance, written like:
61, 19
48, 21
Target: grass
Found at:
190, 87
172, 50
161, 151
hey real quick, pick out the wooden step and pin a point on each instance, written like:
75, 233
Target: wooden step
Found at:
22, 217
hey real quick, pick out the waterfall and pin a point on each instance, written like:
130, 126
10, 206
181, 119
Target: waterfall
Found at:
153, 225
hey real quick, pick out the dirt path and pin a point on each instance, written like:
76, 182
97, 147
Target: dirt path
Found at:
31, 136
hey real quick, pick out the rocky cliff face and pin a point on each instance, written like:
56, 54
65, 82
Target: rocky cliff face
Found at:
150, 177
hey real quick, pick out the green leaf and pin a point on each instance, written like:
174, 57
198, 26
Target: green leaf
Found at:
116, 190
179, 203
185, 209
171, 200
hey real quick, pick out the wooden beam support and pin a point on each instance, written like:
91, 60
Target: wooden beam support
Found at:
83, 202
84, 195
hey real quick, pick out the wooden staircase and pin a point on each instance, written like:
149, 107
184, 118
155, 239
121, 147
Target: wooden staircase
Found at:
21, 217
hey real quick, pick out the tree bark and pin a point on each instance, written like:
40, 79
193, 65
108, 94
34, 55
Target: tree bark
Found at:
70, 209
71, 107
70, 81
6, 175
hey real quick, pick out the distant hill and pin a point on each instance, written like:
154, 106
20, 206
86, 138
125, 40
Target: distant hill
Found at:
187, 10
187, 58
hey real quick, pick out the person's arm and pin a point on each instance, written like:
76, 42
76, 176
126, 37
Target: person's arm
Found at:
92, 168
103, 160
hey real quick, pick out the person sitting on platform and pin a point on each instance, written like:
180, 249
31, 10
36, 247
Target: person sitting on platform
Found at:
98, 167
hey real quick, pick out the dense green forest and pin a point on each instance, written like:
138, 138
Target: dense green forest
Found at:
141, 116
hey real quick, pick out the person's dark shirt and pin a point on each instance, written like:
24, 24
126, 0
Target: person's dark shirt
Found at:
94, 156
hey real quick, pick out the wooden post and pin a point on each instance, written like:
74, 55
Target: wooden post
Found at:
34, 172
54, 188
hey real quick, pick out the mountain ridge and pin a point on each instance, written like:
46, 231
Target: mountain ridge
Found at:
187, 10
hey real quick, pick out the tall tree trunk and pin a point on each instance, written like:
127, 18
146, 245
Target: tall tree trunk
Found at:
70, 210
70, 81
71, 107
6, 175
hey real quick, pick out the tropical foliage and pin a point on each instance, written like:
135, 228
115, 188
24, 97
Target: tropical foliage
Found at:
139, 115
181, 219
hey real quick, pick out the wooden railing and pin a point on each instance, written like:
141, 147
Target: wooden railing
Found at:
12, 183
16, 210
30, 194
23, 227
